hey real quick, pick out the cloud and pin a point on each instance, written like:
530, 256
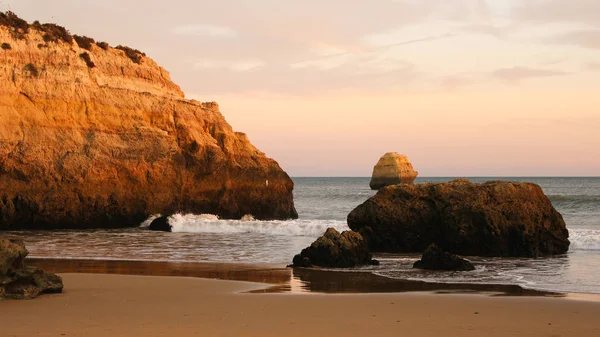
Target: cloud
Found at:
458, 81
554, 61
246, 65
342, 56
499, 32
553, 11
205, 30
593, 66
234, 66
374, 59
516, 74
327, 63
382, 41
589, 38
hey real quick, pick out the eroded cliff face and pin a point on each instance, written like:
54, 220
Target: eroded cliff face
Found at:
102, 141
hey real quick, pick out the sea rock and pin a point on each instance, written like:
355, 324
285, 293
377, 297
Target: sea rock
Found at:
435, 258
335, 250
12, 255
505, 219
160, 224
392, 169
18, 281
97, 137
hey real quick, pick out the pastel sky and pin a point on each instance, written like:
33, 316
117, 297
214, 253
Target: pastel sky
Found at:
463, 87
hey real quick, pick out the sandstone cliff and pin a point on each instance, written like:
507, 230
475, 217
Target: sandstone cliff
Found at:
93, 136
392, 169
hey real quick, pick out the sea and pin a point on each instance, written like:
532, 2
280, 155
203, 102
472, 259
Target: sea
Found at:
324, 203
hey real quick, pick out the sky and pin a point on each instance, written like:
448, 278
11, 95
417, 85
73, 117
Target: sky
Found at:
462, 87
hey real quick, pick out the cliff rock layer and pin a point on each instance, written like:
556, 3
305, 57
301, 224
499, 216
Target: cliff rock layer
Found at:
93, 136
392, 169
505, 219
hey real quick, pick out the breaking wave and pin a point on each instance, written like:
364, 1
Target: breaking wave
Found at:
576, 202
148, 221
208, 223
584, 239
581, 239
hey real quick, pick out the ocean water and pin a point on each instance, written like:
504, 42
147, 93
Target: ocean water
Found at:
325, 202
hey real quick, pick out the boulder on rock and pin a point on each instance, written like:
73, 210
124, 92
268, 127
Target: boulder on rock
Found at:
335, 250
160, 224
18, 281
434, 258
504, 219
392, 169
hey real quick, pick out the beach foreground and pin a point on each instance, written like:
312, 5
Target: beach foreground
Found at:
119, 305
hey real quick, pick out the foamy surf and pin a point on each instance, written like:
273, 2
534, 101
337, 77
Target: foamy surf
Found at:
148, 221
581, 239
208, 223
584, 239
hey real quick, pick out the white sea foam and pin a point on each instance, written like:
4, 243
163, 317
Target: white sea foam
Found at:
584, 239
206, 223
581, 239
148, 221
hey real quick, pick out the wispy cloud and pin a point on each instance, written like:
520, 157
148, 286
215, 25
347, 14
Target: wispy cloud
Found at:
458, 81
516, 74
593, 66
553, 11
554, 61
235, 66
319, 62
589, 38
326, 63
382, 41
499, 32
205, 30
246, 65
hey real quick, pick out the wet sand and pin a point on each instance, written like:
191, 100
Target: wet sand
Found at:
125, 305
279, 278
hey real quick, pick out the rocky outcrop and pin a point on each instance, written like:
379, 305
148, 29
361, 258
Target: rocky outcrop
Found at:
160, 224
18, 281
493, 219
335, 250
392, 169
93, 136
435, 258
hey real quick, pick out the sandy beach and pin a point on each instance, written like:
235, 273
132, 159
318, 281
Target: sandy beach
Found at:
119, 305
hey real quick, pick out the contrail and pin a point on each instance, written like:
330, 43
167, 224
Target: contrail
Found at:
388, 46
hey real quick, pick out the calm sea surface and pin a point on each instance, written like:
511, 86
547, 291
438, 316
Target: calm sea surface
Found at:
325, 202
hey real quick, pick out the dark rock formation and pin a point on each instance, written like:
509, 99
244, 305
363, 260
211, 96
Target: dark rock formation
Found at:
492, 219
392, 169
12, 255
335, 250
111, 145
18, 281
435, 258
160, 224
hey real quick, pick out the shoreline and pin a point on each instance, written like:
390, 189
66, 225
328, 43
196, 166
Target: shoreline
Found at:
129, 305
282, 280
